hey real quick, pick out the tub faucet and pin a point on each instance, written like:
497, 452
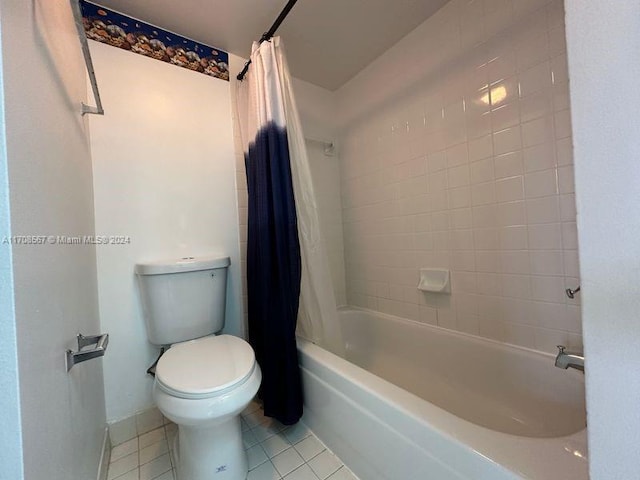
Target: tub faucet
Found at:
569, 359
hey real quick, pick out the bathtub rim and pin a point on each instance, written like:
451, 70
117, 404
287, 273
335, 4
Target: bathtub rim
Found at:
455, 333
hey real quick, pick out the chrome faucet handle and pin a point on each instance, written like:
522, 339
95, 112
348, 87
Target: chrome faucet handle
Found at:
561, 349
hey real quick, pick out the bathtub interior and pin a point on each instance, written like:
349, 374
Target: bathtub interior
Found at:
505, 388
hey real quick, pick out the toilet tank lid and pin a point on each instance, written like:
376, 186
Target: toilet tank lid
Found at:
180, 265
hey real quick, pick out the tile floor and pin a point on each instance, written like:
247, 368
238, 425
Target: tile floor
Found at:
275, 452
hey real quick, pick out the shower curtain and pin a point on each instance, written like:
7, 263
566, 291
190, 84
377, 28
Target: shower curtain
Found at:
288, 278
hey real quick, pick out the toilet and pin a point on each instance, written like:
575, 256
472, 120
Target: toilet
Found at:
204, 380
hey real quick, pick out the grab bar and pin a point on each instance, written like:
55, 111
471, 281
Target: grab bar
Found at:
77, 16
100, 341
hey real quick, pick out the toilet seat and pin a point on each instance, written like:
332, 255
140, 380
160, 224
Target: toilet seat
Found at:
205, 367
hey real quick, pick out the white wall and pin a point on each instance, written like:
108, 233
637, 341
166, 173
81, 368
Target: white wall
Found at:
434, 176
49, 176
11, 438
164, 175
604, 42
318, 110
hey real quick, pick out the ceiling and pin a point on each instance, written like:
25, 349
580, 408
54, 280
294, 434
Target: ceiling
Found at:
327, 41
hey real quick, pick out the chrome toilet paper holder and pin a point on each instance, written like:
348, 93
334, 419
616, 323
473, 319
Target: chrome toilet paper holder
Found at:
100, 341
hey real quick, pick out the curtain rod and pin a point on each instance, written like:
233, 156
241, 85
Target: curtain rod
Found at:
268, 34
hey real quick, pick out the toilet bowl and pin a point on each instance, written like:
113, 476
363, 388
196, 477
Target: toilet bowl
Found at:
203, 381
202, 385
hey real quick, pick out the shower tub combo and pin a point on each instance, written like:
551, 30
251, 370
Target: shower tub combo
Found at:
413, 401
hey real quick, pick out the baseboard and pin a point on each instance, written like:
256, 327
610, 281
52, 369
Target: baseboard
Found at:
105, 456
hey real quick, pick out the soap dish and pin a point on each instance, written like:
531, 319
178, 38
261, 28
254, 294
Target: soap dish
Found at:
434, 280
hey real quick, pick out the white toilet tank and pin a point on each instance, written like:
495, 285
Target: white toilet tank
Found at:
183, 298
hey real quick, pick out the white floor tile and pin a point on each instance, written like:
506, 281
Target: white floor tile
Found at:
155, 467
149, 420
325, 464
343, 474
254, 418
122, 466
151, 437
287, 461
243, 424
153, 451
296, 433
130, 475
266, 471
309, 448
252, 407
124, 449
256, 456
302, 473
123, 431
148, 456
171, 431
276, 444
170, 475
249, 439
265, 430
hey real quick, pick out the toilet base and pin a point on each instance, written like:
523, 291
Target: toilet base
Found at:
213, 453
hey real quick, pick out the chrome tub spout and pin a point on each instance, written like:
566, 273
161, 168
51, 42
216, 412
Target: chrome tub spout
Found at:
569, 359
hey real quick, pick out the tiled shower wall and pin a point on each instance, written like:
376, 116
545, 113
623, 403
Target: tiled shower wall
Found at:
468, 168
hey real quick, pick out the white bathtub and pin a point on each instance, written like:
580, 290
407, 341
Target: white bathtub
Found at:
414, 402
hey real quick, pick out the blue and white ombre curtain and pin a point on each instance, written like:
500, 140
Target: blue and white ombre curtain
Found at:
288, 279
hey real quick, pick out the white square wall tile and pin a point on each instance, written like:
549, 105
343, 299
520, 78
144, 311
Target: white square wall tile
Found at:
541, 184
505, 116
545, 237
539, 157
512, 214
508, 165
482, 171
562, 121
507, 140
535, 79
483, 193
510, 189
547, 289
566, 179
538, 131
480, 148
543, 210
536, 105
547, 262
